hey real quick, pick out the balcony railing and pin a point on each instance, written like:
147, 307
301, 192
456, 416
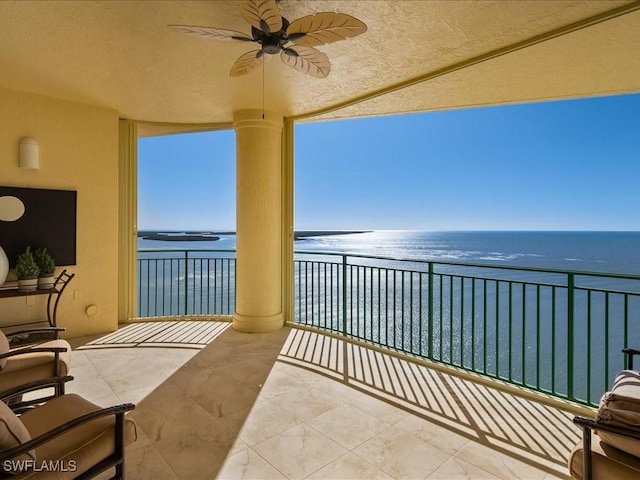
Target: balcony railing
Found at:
186, 282
558, 332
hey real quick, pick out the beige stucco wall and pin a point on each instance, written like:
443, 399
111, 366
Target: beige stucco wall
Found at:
78, 151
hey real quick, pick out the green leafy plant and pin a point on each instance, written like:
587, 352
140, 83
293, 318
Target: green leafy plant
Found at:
45, 261
26, 266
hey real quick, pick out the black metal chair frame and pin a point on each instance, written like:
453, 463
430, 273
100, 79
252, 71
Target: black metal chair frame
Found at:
33, 336
588, 425
17, 404
115, 460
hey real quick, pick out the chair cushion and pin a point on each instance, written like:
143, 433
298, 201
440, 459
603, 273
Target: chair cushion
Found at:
29, 367
607, 462
4, 348
621, 407
83, 446
13, 433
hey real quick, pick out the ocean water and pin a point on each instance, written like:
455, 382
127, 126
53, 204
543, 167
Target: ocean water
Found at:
608, 252
510, 324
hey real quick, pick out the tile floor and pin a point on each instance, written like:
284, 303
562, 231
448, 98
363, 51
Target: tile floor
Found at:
298, 404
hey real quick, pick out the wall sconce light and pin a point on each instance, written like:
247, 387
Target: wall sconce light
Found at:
29, 154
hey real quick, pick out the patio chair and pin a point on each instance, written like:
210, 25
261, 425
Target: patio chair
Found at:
610, 447
26, 364
67, 437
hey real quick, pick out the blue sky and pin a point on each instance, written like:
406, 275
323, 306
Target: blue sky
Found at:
567, 165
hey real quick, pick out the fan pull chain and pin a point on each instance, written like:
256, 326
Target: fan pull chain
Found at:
263, 62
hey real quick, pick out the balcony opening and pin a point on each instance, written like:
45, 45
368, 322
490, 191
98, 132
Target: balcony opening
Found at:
497, 240
186, 224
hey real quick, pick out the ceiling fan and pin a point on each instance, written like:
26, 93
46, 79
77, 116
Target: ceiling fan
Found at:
294, 41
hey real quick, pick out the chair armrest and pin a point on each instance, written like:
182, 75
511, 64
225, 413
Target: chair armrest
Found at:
117, 410
34, 349
33, 386
34, 330
630, 352
592, 424
588, 425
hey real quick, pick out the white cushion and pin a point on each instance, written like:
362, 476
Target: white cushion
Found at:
621, 407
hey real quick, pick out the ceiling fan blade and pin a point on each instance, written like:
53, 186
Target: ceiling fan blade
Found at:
307, 60
212, 33
246, 63
324, 27
262, 14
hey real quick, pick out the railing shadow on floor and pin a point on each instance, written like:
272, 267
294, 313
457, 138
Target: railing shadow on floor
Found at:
184, 333
531, 432
191, 422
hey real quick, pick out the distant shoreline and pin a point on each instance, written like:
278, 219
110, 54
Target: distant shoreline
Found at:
304, 234
180, 236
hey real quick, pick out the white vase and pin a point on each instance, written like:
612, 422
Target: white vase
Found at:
4, 266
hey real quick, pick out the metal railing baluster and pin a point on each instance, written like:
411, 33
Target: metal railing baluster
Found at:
367, 300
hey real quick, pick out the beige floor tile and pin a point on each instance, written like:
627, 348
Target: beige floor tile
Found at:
107, 401
279, 382
192, 380
129, 380
436, 435
137, 394
78, 359
83, 372
142, 439
338, 389
248, 465
347, 425
299, 451
262, 422
498, 464
169, 417
559, 476
456, 469
383, 411
198, 452
279, 406
93, 388
111, 359
147, 464
249, 372
402, 455
351, 467
221, 400
305, 402
298, 370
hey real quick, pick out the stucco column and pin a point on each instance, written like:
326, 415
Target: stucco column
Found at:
258, 221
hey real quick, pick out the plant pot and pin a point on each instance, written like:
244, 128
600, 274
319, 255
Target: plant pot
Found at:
27, 284
46, 281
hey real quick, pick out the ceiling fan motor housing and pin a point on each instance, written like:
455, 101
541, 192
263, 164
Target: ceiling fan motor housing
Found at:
272, 42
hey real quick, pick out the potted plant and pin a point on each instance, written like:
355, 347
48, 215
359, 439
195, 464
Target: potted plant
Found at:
27, 271
47, 267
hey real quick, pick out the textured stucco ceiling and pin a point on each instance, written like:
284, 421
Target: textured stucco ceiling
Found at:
121, 55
